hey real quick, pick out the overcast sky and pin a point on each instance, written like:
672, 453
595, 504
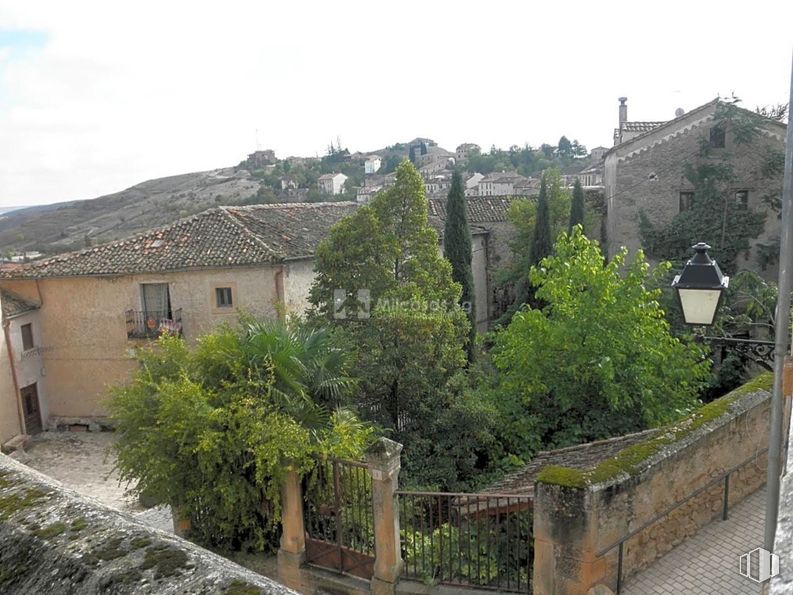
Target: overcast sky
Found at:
96, 97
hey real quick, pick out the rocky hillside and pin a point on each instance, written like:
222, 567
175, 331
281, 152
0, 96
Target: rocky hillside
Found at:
72, 225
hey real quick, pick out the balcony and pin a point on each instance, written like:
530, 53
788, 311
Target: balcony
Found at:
150, 325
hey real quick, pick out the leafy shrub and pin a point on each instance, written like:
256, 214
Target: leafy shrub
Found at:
212, 430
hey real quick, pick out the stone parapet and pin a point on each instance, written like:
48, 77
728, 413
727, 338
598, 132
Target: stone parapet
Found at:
54, 540
579, 515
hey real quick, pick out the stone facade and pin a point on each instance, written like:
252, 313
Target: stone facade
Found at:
646, 174
81, 326
575, 523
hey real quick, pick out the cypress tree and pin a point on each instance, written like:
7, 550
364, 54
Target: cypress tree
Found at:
577, 206
543, 243
457, 249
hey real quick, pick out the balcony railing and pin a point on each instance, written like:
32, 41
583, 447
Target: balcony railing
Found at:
150, 325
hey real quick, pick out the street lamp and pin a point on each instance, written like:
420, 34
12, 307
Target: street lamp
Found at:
700, 287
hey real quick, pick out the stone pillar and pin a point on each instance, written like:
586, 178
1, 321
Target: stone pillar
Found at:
565, 538
384, 463
292, 550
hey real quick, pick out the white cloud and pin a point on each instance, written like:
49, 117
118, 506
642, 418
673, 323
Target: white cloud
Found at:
123, 94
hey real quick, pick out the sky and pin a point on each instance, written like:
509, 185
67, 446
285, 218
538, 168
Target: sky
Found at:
98, 96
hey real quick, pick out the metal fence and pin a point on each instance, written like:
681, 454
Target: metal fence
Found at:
469, 540
338, 517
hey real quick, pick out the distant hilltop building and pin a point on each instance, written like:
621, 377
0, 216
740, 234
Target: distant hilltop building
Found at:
372, 164
464, 150
597, 154
260, 159
505, 183
332, 183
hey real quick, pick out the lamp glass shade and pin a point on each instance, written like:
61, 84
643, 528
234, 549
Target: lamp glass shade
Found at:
699, 305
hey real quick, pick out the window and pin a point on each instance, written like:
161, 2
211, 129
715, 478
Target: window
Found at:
686, 201
27, 336
742, 198
223, 297
717, 137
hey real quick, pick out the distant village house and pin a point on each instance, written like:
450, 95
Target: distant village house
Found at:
332, 183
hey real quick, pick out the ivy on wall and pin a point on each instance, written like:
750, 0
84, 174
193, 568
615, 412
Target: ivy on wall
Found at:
716, 213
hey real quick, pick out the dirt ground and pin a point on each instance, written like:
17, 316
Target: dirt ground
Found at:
84, 462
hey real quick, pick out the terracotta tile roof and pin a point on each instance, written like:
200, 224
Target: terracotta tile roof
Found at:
218, 237
481, 209
582, 456
14, 305
641, 126
292, 230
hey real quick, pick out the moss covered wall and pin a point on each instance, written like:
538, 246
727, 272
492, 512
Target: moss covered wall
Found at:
55, 541
625, 491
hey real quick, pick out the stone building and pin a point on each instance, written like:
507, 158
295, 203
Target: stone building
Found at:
22, 402
372, 164
464, 150
491, 233
86, 312
504, 183
261, 159
332, 183
644, 174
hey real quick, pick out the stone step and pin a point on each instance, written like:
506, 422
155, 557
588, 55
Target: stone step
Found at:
18, 442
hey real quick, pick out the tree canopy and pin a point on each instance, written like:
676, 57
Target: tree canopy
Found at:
577, 206
401, 316
598, 359
457, 248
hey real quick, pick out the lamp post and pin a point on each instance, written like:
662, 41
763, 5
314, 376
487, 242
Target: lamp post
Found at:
700, 290
700, 287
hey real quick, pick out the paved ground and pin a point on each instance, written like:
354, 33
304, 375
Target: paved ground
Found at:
708, 562
83, 462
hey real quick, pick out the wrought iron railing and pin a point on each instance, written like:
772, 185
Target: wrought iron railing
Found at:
722, 478
479, 541
150, 325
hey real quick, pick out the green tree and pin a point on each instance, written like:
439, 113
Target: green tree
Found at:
513, 279
542, 242
598, 360
211, 430
457, 248
577, 206
383, 282
565, 147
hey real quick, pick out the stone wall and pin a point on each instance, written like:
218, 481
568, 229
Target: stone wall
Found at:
55, 541
579, 514
648, 177
82, 333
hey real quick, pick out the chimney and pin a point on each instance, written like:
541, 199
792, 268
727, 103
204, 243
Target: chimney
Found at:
623, 111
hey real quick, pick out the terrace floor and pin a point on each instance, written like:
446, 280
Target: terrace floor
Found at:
708, 562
